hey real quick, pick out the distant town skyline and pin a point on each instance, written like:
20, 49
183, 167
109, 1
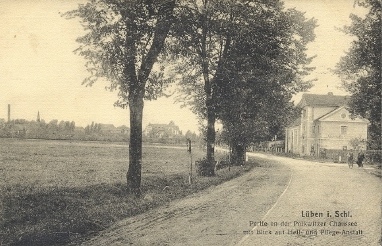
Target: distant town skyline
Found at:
39, 118
40, 72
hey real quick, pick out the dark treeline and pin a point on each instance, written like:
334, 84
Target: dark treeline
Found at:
67, 130
62, 130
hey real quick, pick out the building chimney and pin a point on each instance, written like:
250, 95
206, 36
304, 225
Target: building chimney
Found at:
9, 113
330, 93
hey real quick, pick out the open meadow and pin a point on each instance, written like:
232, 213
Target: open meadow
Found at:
62, 192
46, 163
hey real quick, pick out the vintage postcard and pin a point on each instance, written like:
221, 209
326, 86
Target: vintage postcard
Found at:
190, 122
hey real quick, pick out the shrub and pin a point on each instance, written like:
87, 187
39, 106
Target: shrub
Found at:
203, 167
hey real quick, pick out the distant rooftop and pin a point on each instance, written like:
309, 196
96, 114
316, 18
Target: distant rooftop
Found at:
329, 100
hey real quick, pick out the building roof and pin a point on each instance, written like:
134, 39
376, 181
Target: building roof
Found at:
123, 127
358, 118
164, 126
329, 100
107, 127
157, 125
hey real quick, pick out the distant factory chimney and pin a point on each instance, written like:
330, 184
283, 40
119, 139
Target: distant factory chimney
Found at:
9, 113
38, 116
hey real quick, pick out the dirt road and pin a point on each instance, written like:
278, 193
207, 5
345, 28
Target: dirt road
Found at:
283, 202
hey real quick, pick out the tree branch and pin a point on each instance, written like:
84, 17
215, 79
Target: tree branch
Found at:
162, 28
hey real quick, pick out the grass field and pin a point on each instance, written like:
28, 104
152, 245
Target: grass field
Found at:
72, 164
61, 192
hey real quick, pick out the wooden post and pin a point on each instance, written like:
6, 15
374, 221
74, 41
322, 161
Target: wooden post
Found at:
190, 175
190, 152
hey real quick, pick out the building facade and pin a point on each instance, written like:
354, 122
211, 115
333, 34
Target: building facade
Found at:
324, 124
162, 130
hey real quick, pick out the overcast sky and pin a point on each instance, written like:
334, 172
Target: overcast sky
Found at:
40, 72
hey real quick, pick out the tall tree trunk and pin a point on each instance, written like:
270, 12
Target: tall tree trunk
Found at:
233, 150
209, 169
238, 153
136, 86
135, 147
211, 118
210, 141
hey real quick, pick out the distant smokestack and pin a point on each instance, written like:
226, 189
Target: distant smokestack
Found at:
9, 113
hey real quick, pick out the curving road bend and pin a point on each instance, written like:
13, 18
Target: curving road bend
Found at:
283, 202
324, 204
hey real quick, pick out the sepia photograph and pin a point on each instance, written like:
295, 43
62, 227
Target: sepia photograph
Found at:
190, 122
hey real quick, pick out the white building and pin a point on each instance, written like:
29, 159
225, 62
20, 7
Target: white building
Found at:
324, 124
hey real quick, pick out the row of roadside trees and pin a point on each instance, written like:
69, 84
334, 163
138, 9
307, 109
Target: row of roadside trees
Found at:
241, 62
238, 62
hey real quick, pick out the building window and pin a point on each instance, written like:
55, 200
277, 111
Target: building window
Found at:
344, 130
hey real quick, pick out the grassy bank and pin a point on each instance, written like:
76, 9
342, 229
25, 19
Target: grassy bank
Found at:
58, 193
